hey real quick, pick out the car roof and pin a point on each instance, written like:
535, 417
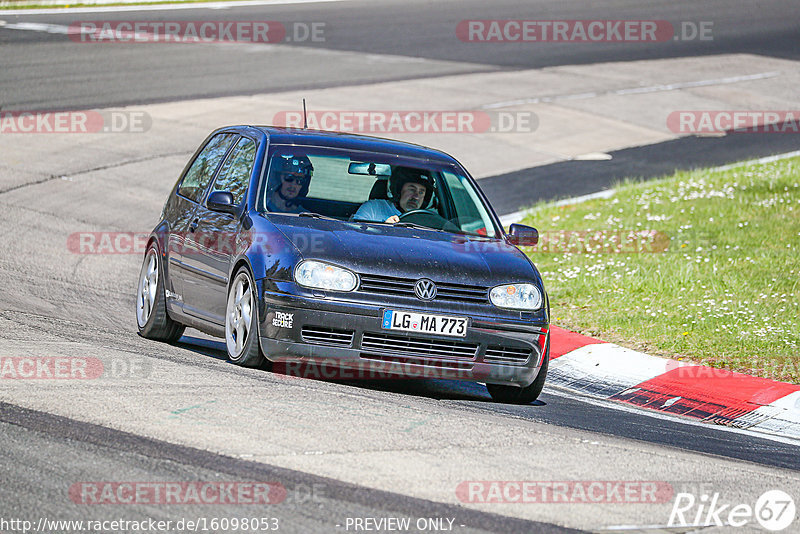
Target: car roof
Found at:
300, 136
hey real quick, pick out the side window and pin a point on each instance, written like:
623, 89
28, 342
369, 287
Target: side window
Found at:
471, 216
199, 174
236, 171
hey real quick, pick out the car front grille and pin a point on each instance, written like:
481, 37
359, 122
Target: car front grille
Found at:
448, 365
392, 285
508, 355
418, 347
321, 335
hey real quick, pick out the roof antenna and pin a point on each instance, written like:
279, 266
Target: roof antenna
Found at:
305, 119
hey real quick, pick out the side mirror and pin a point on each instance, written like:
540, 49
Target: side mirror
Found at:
523, 236
221, 201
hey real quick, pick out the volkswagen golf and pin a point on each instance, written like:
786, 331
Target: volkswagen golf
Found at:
364, 253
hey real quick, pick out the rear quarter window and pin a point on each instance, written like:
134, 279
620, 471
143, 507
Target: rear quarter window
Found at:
197, 178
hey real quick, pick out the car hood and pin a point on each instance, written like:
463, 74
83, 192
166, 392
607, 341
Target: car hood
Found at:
407, 252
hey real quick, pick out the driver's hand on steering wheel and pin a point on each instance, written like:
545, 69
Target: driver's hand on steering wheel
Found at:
393, 219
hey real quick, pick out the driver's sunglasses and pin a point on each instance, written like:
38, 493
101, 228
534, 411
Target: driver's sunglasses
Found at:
294, 177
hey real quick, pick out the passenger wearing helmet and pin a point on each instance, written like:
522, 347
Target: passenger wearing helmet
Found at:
291, 176
411, 189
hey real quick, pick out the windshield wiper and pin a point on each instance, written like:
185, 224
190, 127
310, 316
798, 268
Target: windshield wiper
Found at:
402, 224
315, 215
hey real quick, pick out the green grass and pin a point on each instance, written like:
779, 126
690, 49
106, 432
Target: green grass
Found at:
719, 285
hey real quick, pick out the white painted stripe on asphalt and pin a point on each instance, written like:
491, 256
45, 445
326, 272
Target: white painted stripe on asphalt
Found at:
766, 159
40, 27
605, 193
245, 46
517, 216
699, 83
608, 193
248, 46
634, 90
593, 156
159, 7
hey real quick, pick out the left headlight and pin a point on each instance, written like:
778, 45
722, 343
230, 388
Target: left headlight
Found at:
320, 275
516, 297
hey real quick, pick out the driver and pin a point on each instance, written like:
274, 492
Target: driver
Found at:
295, 174
411, 189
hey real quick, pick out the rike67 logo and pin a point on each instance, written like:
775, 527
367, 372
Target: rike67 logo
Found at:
774, 510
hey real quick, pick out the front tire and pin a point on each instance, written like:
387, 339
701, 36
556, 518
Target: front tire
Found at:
241, 322
152, 318
526, 395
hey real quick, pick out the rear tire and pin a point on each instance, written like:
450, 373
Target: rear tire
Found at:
526, 395
152, 318
241, 322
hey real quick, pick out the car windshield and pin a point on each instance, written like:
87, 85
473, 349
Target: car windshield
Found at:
372, 187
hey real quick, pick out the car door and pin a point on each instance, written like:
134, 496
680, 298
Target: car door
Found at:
188, 196
211, 246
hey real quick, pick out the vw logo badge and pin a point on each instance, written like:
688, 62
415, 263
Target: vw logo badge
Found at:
425, 289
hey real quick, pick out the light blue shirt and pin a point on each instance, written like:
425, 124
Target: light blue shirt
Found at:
296, 208
377, 210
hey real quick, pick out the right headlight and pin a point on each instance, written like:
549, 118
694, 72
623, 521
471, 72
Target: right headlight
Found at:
516, 297
320, 275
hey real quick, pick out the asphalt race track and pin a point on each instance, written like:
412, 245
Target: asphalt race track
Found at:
342, 450
95, 76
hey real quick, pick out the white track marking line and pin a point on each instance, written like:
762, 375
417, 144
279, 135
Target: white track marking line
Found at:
765, 159
519, 215
634, 90
159, 7
608, 193
39, 27
250, 45
246, 46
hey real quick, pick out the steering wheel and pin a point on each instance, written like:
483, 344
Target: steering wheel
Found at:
429, 219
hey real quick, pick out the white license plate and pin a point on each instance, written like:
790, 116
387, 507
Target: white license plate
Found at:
425, 323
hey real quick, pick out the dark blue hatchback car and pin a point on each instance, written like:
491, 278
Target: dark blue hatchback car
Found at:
308, 248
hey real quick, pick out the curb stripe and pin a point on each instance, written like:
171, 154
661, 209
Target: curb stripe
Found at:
701, 392
715, 396
781, 417
563, 341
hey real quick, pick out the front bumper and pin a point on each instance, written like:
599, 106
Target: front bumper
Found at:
323, 338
